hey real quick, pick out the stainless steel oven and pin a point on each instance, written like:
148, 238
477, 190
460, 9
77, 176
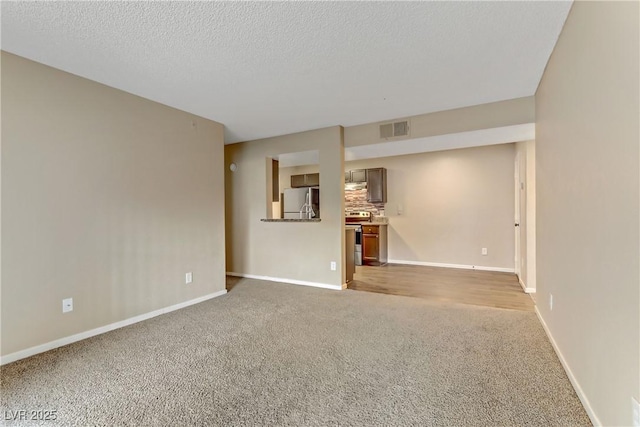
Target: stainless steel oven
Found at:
356, 218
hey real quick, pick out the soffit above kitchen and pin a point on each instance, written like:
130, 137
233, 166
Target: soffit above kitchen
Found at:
265, 68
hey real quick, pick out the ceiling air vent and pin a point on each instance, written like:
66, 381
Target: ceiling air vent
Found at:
386, 131
391, 130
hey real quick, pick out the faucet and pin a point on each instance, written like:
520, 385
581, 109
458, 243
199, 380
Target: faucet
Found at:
307, 209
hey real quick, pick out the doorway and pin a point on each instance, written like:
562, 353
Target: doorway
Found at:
524, 215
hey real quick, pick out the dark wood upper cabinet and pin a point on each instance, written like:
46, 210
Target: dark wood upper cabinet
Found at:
312, 179
297, 181
305, 180
377, 185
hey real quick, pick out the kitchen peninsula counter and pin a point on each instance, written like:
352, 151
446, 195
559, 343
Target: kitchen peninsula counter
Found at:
367, 223
291, 220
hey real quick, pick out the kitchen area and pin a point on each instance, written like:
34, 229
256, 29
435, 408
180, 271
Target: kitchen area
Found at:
365, 199
296, 197
439, 246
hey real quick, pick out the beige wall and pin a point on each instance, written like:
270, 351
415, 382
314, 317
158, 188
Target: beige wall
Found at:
107, 198
290, 251
587, 160
485, 116
454, 203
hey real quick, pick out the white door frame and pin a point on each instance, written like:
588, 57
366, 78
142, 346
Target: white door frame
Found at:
530, 210
516, 228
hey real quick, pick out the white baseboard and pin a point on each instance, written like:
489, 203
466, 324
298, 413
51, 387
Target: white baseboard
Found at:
101, 330
463, 266
289, 281
524, 287
574, 382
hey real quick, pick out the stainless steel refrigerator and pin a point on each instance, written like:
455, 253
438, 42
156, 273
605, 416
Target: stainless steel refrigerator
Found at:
301, 203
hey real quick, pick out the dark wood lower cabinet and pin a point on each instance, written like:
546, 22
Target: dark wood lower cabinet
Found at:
371, 248
350, 253
374, 244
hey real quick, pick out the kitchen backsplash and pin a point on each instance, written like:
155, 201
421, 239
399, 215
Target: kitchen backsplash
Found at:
356, 201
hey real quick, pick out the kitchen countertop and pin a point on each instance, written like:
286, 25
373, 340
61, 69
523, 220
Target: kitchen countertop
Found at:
366, 223
380, 220
290, 220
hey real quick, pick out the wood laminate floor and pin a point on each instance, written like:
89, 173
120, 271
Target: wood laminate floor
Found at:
486, 288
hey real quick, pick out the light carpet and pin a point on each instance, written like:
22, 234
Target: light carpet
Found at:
277, 354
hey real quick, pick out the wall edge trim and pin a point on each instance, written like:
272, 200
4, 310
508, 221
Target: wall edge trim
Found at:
446, 265
574, 381
41, 348
524, 287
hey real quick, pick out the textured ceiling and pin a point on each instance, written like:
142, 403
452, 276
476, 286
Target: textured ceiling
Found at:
266, 68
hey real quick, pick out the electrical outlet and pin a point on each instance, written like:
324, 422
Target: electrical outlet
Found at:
188, 278
484, 251
636, 412
67, 305
551, 302
333, 266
